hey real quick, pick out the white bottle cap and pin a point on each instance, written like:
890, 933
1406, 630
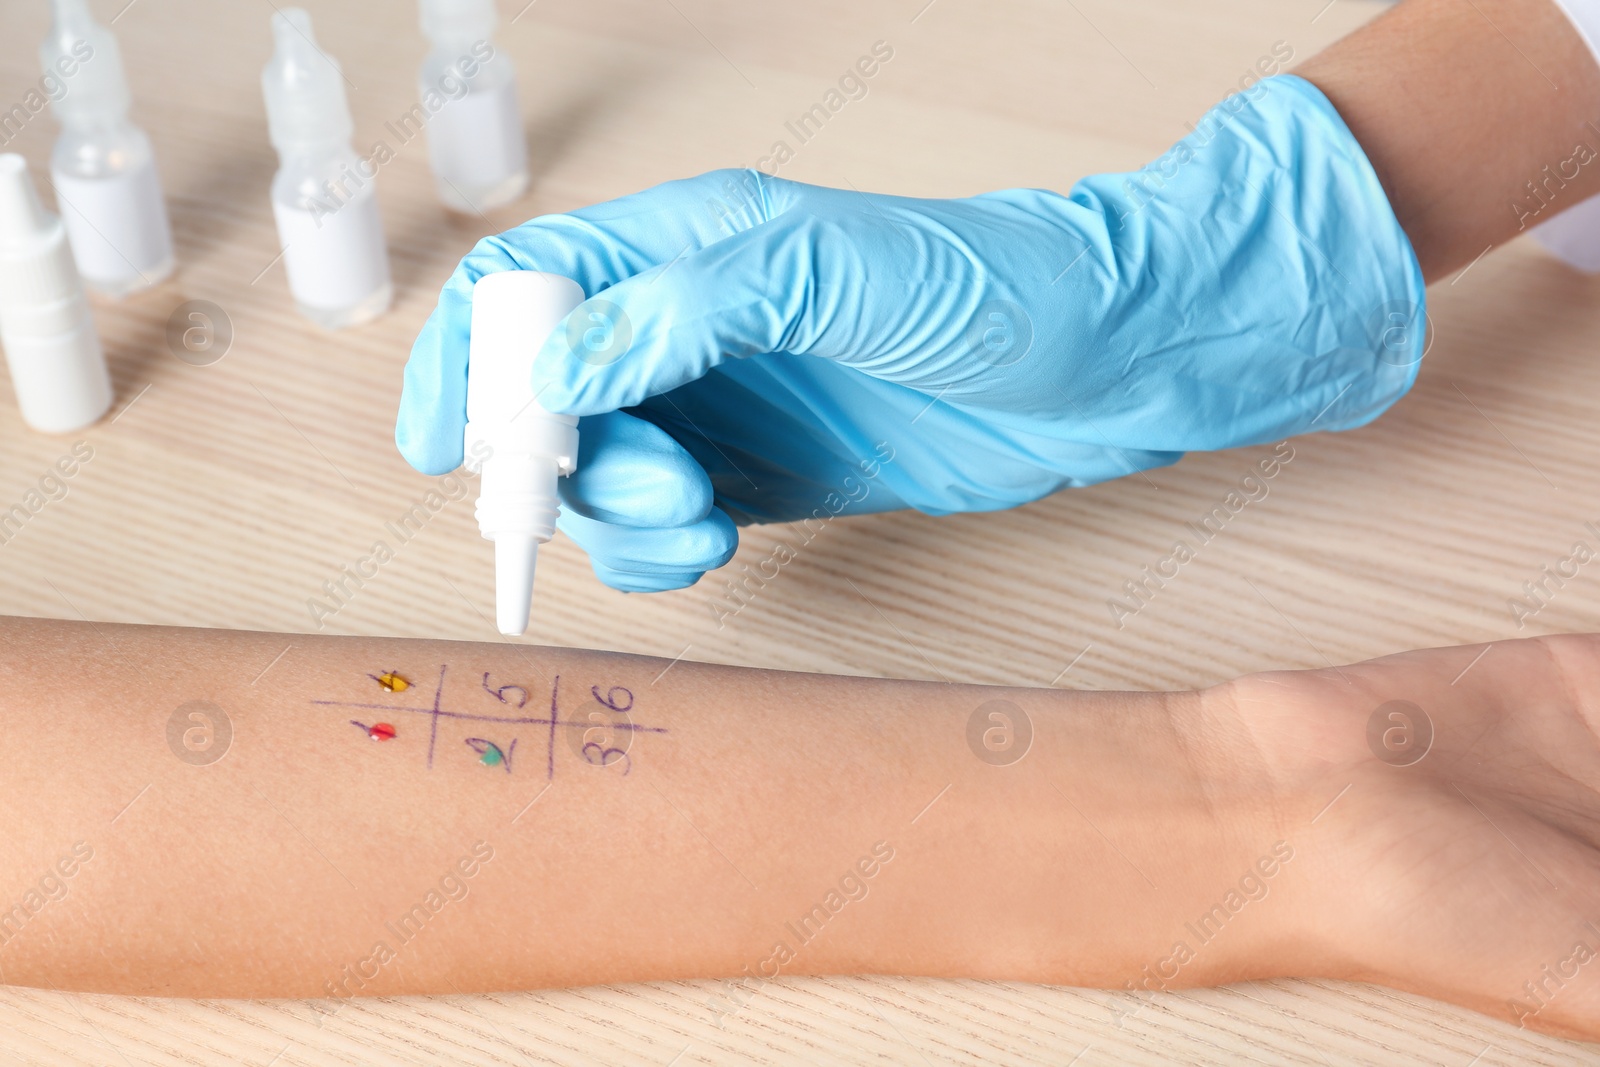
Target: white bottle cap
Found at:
98, 89
56, 363
522, 448
470, 20
303, 87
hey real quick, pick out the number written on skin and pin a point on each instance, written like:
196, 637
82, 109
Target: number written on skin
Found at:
602, 727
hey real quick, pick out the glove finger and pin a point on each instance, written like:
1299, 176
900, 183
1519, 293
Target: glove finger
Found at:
432, 419
884, 285
660, 582
752, 293
633, 473
597, 247
638, 559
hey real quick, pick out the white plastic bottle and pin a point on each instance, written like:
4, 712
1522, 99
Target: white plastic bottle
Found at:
476, 145
520, 447
323, 196
52, 350
102, 166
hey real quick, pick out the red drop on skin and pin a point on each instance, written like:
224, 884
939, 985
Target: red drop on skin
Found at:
381, 731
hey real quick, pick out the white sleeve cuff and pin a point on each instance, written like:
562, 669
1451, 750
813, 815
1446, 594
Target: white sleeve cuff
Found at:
1574, 235
1585, 17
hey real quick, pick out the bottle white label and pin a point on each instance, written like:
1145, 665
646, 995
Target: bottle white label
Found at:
61, 381
117, 225
477, 141
334, 258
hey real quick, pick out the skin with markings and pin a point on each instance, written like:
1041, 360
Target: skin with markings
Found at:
797, 824
772, 823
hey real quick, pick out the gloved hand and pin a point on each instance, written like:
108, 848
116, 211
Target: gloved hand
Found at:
758, 350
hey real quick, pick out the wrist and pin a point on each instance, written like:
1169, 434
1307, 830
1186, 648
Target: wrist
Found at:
1303, 738
1165, 841
1252, 875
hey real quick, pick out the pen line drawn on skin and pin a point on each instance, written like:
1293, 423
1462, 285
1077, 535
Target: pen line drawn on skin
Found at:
392, 681
438, 712
555, 714
499, 693
378, 731
438, 694
491, 754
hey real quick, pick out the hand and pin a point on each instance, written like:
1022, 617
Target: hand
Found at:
757, 350
1449, 819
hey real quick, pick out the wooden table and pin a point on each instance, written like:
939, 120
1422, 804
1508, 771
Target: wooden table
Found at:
224, 495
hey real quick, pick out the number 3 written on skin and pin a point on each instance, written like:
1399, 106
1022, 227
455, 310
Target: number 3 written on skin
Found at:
613, 702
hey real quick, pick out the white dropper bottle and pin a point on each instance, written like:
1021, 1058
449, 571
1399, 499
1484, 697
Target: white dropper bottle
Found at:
520, 447
476, 145
102, 166
323, 197
52, 350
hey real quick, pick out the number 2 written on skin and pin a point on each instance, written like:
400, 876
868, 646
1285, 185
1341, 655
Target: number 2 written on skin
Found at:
506, 720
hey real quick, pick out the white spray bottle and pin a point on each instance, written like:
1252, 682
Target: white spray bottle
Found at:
52, 350
520, 447
102, 165
323, 198
476, 145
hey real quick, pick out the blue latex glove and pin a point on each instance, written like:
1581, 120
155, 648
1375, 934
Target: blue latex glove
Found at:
757, 350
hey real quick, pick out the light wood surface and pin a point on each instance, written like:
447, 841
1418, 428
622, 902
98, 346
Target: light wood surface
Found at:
225, 495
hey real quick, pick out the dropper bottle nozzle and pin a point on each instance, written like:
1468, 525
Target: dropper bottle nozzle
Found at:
324, 196
303, 87
103, 167
477, 147
467, 20
23, 219
520, 447
99, 87
516, 557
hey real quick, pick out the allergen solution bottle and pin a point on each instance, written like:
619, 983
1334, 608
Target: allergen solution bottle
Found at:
102, 166
57, 367
519, 447
476, 145
323, 197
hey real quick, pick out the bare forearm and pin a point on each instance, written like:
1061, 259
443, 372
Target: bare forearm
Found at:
732, 821
1462, 105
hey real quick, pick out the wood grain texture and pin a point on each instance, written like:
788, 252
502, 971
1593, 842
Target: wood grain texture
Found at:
225, 495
